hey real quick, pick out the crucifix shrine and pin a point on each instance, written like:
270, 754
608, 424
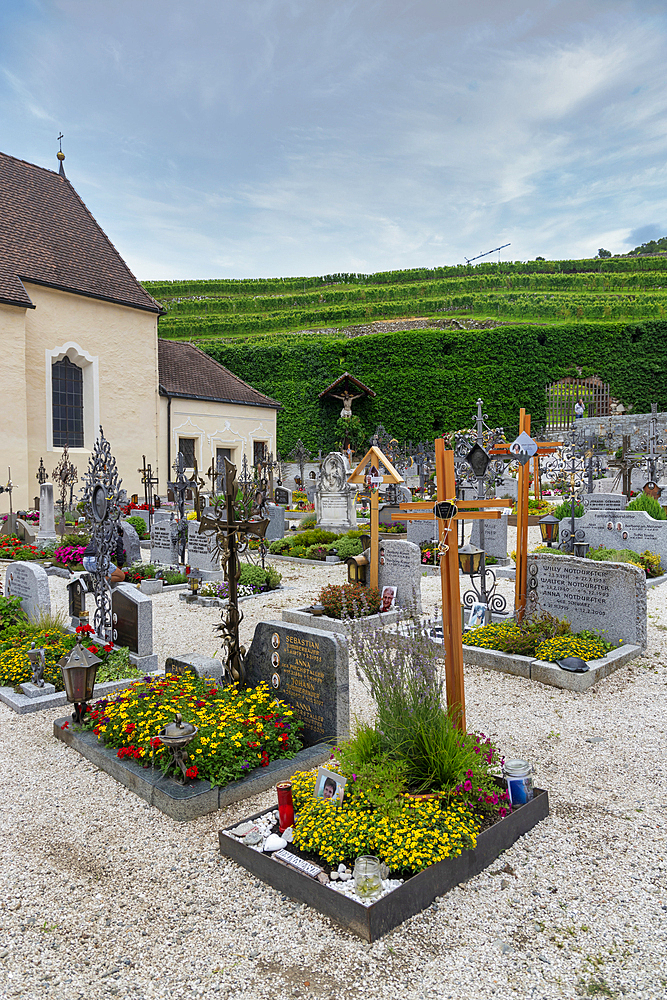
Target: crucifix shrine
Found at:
446, 510
232, 535
373, 479
542, 448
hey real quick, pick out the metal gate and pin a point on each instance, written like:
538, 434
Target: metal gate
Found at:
561, 397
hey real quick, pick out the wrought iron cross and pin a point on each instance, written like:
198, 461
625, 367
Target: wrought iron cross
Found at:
300, 455
232, 535
148, 481
41, 475
65, 476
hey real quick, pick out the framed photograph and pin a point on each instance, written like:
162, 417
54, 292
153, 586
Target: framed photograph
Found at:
329, 785
388, 599
477, 615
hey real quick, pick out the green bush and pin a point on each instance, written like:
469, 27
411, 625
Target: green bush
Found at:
644, 502
117, 667
11, 612
139, 526
317, 552
309, 521
279, 547
565, 510
648, 561
258, 577
346, 547
349, 600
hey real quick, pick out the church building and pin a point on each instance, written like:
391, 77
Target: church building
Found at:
80, 349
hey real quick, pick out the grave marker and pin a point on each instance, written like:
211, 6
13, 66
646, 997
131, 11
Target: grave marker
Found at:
623, 529
31, 583
132, 623
495, 538
400, 567
164, 542
47, 524
308, 668
131, 544
283, 496
334, 497
604, 501
202, 554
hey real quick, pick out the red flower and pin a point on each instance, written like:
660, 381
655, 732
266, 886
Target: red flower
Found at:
191, 772
87, 629
108, 647
130, 727
92, 649
265, 759
155, 742
65, 725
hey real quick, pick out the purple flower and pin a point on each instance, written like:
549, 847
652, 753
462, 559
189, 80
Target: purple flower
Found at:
467, 786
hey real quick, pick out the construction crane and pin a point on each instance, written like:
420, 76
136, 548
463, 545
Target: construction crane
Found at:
471, 259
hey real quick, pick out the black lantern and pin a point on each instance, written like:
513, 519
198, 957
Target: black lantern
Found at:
478, 459
549, 526
79, 669
470, 558
581, 549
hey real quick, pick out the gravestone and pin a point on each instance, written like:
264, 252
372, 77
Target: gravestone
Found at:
47, 524
27, 531
29, 582
622, 529
400, 567
201, 552
164, 542
387, 513
495, 537
163, 514
132, 620
130, 544
334, 497
509, 488
81, 585
308, 668
604, 501
422, 531
143, 514
609, 598
276, 516
201, 666
283, 496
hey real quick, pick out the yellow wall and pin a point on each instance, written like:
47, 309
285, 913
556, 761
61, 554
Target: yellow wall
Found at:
14, 426
221, 425
118, 348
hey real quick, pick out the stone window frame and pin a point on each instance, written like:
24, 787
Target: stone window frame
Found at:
89, 365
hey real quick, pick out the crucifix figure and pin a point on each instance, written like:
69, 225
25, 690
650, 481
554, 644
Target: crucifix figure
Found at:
230, 536
148, 481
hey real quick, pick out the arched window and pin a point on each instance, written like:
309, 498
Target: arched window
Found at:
67, 394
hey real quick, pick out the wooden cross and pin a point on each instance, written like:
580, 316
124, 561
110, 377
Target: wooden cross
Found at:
543, 448
449, 568
377, 459
229, 534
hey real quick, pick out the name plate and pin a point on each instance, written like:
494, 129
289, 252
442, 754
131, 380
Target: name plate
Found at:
294, 862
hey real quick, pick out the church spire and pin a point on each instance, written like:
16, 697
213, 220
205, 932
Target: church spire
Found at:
61, 156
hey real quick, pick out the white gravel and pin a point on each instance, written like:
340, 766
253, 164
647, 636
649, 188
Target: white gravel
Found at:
103, 896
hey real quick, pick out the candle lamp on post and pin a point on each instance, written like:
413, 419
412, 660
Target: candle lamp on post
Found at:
549, 526
79, 669
472, 562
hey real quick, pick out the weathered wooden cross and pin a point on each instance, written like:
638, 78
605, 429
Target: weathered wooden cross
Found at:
376, 459
454, 510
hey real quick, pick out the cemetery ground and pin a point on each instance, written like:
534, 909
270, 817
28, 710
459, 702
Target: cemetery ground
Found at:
104, 896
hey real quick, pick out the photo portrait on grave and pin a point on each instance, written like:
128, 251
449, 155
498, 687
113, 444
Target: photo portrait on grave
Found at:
382, 555
329, 785
275, 640
388, 598
477, 615
624, 536
610, 525
275, 680
275, 660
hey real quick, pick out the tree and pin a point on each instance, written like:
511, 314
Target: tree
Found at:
604, 253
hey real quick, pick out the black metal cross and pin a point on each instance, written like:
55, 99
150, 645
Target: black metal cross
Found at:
179, 487
231, 535
300, 455
41, 475
148, 481
65, 476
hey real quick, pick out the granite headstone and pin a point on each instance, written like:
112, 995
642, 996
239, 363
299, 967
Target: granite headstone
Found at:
400, 567
29, 582
132, 618
202, 554
276, 516
606, 597
77, 589
622, 529
164, 542
131, 544
308, 668
604, 501
334, 497
422, 531
283, 496
495, 537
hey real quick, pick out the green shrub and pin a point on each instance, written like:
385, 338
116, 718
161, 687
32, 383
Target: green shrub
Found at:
11, 613
644, 502
565, 510
139, 526
279, 547
117, 667
309, 521
346, 547
648, 561
317, 552
273, 577
173, 576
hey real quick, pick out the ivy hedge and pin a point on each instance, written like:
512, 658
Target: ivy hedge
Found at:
428, 381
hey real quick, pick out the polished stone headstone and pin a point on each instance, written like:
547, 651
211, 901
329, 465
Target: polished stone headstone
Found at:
308, 668
276, 516
29, 582
622, 529
132, 619
164, 542
202, 554
131, 544
604, 501
495, 537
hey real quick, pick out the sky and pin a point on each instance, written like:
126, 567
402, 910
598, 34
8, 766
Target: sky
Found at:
251, 138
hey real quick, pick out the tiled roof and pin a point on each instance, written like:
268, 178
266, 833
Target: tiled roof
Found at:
187, 372
346, 383
48, 237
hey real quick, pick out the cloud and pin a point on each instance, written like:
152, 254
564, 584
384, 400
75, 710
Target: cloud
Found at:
652, 231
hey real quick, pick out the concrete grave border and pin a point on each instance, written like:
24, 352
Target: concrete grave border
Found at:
304, 617
550, 673
23, 705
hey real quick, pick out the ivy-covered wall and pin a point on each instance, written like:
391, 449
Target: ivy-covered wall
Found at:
428, 381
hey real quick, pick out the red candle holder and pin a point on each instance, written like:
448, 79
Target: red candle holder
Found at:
285, 805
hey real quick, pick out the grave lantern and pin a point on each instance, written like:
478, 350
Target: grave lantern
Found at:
357, 570
79, 669
581, 549
549, 526
470, 558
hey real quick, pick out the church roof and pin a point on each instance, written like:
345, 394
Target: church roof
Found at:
187, 372
48, 237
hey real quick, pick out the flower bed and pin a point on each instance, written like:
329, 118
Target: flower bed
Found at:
238, 731
13, 548
349, 600
146, 571
69, 556
510, 637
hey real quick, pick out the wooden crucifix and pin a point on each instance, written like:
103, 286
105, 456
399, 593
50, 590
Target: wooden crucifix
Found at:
543, 448
376, 459
230, 534
452, 510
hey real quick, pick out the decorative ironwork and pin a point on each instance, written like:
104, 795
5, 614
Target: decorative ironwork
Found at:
148, 481
42, 475
103, 499
300, 455
37, 659
484, 592
179, 487
232, 536
64, 477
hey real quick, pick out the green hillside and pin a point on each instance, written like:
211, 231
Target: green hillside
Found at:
291, 337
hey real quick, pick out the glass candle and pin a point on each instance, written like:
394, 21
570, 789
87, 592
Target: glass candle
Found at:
285, 805
367, 878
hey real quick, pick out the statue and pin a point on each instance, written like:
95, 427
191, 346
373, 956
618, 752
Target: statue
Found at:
38, 664
347, 399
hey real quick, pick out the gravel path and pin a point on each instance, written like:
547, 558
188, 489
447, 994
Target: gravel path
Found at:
103, 896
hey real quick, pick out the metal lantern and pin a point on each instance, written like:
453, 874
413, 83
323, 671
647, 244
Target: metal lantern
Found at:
581, 549
357, 569
176, 736
79, 669
469, 559
549, 526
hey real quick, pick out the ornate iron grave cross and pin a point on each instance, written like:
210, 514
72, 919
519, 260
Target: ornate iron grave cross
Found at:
41, 475
148, 481
104, 498
300, 455
232, 537
179, 487
65, 476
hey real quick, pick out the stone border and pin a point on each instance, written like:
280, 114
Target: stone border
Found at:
304, 617
307, 562
184, 802
551, 673
373, 921
22, 704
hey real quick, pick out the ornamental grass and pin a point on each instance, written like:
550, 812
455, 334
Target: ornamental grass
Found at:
238, 730
412, 836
